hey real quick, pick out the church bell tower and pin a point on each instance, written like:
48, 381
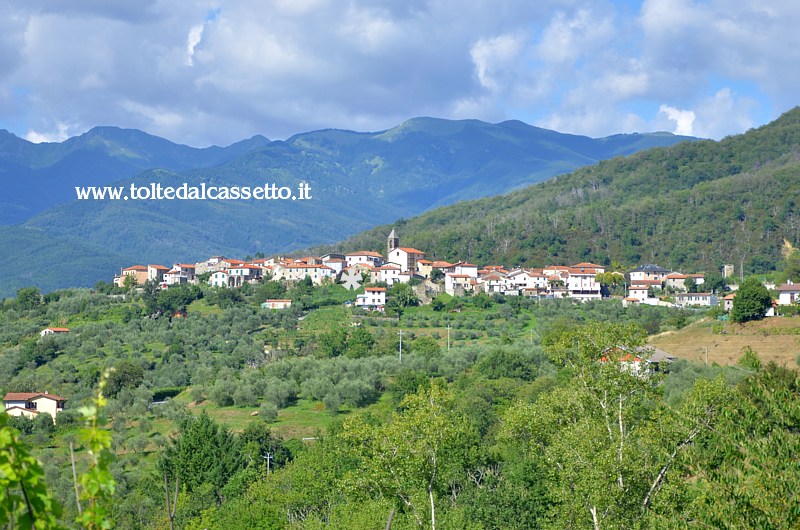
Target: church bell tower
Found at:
392, 242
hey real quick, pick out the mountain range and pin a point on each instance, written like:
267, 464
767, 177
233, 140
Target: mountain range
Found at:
357, 180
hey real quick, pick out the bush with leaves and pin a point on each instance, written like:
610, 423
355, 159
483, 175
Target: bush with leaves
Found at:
751, 302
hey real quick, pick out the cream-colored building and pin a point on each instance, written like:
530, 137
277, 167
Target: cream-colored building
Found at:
138, 272
31, 404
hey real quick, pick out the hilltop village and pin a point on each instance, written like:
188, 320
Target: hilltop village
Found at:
400, 264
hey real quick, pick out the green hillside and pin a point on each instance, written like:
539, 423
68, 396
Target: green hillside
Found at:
49, 262
693, 206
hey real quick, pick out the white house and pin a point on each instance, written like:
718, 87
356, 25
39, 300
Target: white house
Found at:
582, 285
638, 292
649, 272
373, 259
337, 265
698, 299
219, 278
462, 267
374, 298
53, 331
156, 272
406, 257
494, 283
788, 293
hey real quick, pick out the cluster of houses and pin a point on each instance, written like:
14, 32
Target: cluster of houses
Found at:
400, 264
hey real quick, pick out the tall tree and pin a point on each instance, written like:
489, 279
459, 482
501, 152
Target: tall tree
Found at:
419, 457
752, 301
608, 444
204, 453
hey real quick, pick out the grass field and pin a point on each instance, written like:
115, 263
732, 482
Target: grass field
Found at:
774, 339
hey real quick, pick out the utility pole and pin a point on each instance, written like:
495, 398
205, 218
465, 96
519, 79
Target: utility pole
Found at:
448, 336
267, 457
401, 345
706, 349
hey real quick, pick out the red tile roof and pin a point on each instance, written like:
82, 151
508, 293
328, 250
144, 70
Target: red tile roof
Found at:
587, 265
25, 396
160, 267
410, 250
136, 268
365, 253
59, 330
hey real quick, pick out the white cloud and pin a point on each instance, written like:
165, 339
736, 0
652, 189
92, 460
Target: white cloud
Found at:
194, 38
684, 119
491, 56
723, 114
61, 133
283, 66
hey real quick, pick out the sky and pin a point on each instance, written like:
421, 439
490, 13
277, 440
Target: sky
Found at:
214, 71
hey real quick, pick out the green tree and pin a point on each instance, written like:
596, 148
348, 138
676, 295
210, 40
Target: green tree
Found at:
332, 343
150, 290
690, 284
714, 283
203, 453
791, 267
751, 302
270, 290
129, 282
125, 375
29, 298
402, 295
426, 346
747, 474
359, 343
419, 457
608, 445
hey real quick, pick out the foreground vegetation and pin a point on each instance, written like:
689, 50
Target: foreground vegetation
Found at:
531, 418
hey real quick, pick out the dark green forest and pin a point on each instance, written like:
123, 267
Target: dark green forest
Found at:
693, 207
528, 414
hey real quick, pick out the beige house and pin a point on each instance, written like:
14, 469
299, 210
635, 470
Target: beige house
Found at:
728, 301
138, 272
31, 404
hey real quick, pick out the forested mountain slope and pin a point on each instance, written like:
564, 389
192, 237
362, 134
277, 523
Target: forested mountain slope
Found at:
691, 206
